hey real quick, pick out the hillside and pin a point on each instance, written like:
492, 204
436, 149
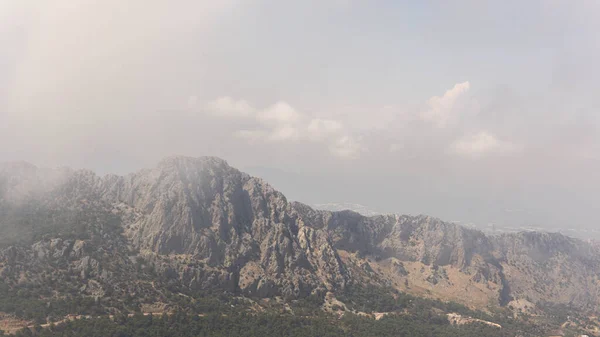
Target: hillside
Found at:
191, 230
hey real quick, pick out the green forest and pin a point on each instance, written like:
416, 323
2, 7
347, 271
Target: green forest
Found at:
264, 325
203, 314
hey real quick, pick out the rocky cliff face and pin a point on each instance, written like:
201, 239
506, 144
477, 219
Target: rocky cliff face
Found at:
550, 267
205, 225
238, 226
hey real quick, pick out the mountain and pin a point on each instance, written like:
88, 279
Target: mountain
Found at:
196, 225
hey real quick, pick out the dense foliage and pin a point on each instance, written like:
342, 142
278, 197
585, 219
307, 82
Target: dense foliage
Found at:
264, 325
26, 303
380, 299
202, 314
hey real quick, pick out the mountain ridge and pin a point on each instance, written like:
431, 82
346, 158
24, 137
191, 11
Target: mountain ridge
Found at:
200, 224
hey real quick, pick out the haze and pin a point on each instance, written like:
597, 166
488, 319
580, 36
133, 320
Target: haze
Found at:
475, 111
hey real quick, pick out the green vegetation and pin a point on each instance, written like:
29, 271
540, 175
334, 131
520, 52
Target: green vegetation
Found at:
221, 314
263, 325
380, 299
26, 303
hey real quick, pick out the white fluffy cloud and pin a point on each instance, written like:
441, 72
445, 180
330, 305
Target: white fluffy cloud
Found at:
482, 143
280, 122
447, 110
279, 113
453, 113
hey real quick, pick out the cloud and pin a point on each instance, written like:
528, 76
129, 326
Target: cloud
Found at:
482, 143
347, 147
251, 135
319, 129
446, 110
280, 122
227, 106
284, 133
447, 116
279, 113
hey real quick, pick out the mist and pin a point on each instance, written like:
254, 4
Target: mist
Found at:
449, 111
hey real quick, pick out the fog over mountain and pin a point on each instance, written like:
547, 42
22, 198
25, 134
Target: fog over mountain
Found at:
299, 168
468, 206
445, 109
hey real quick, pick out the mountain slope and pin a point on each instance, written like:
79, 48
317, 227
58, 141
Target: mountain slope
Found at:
195, 224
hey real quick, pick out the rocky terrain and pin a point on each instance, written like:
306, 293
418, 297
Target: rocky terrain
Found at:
196, 224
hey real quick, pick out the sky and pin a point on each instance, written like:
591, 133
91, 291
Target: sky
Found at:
473, 111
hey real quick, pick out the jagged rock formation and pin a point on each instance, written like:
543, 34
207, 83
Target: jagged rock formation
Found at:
550, 267
239, 226
205, 225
